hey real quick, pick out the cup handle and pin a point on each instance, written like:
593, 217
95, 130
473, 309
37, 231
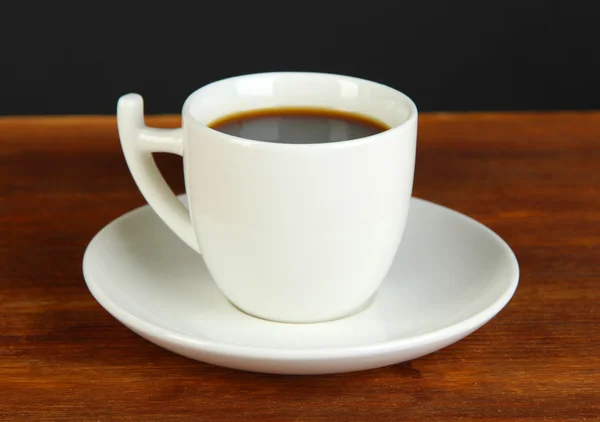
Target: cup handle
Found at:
139, 142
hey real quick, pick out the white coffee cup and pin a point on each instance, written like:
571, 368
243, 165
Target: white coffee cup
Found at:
289, 232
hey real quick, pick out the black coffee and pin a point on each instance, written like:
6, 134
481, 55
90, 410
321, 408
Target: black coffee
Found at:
299, 125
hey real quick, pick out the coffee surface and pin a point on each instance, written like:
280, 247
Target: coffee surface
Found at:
296, 125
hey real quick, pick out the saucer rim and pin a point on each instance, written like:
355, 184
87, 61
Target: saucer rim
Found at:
459, 329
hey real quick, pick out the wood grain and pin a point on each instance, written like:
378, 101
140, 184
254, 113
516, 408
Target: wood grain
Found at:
533, 178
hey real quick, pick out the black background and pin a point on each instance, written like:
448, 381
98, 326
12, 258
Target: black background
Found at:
446, 55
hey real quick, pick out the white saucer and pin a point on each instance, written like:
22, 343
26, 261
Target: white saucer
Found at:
451, 275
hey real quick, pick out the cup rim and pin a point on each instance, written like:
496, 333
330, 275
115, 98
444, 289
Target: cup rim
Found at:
407, 101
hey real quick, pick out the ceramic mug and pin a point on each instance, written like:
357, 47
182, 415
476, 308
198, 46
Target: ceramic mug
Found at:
289, 232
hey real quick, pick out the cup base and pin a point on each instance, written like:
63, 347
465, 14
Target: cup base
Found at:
355, 311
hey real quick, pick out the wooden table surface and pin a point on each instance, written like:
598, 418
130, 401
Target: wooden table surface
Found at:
533, 178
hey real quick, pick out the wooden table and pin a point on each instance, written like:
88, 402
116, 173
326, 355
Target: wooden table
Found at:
533, 178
